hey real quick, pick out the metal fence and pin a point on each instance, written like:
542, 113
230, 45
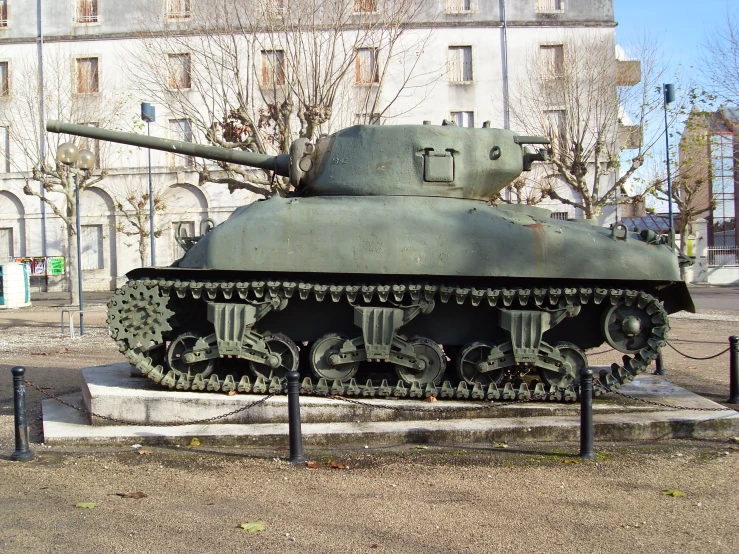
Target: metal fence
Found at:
723, 255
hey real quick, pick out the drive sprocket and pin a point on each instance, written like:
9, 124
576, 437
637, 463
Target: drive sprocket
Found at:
138, 314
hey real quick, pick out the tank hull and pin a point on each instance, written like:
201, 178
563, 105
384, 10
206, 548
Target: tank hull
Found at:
435, 239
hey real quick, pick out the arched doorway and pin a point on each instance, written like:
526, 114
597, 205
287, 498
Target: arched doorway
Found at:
12, 227
98, 240
186, 205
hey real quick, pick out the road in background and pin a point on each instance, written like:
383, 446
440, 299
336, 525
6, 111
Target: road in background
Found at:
724, 298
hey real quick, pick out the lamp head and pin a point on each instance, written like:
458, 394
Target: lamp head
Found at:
669, 93
66, 153
85, 159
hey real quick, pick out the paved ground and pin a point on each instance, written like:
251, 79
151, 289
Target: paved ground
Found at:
459, 499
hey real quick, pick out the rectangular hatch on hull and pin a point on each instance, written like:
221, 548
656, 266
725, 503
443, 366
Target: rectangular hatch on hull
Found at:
438, 167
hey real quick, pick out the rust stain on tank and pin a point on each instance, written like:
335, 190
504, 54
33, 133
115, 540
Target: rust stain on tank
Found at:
540, 247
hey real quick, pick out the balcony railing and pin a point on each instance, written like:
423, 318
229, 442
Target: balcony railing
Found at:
723, 255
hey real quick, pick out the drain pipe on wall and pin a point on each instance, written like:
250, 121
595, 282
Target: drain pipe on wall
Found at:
506, 111
42, 117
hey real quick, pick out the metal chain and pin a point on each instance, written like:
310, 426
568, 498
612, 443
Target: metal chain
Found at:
128, 422
424, 410
696, 358
663, 405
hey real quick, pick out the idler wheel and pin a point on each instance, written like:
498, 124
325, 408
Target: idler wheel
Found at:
430, 365
574, 361
324, 361
469, 364
283, 356
175, 357
627, 328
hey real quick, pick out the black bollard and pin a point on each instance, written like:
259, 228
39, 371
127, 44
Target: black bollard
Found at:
293, 413
660, 365
733, 370
22, 452
586, 414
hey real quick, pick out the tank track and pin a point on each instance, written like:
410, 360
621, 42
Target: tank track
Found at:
134, 332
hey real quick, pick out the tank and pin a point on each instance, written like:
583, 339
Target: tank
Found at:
387, 273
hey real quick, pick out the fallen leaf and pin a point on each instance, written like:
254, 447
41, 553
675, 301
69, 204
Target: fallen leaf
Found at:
144, 452
232, 393
281, 448
692, 367
431, 398
570, 461
673, 492
335, 465
64, 350
132, 494
373, 546
421, 447
88, 505
734, 439
252, 526
500, 445
311, 465
194, 443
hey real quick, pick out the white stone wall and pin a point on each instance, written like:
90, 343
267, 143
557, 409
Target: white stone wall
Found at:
431, 98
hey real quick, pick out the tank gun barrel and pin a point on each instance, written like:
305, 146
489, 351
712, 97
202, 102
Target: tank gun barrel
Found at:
280, 164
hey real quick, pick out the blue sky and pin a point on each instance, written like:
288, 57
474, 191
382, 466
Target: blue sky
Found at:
681, 25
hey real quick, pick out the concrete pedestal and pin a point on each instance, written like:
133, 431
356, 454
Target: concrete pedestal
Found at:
153, 414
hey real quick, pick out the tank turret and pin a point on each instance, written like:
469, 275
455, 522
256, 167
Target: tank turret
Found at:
373, 160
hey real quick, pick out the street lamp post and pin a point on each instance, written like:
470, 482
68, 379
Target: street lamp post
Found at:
669, 97
69, 155
148, 114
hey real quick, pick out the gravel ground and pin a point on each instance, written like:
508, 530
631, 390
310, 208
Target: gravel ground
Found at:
532, 497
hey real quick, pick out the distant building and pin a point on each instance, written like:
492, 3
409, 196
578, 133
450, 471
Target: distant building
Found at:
708, 158
477, 48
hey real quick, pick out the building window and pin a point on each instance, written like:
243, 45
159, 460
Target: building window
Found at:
88, 75
564, 216
367, 119
365, 6
723, 217
367, 68
552, 58
3, 13
458, 6
550, 6
4, 79
273, 67
93, 145
179, 71
179, 129
4, 150
6, 245
464, 119
459, 64
178, 9
91, 242
86, 11
557, 131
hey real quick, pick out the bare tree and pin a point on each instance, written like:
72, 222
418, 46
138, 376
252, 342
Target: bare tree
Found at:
132, 204
77, 94
256, 74
596, 110
720, 60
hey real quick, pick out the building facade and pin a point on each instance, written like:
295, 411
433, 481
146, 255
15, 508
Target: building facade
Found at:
96, 61
708, 160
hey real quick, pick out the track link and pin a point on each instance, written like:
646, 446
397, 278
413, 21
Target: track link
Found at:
133, 334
